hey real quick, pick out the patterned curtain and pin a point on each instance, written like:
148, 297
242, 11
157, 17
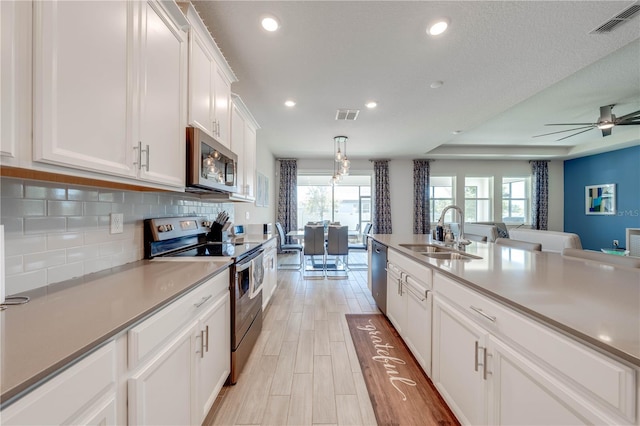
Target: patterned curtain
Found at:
421, 205
382, 206
540, 194
288, 197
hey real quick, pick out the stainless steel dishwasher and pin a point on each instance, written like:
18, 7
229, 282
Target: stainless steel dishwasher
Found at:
379, 275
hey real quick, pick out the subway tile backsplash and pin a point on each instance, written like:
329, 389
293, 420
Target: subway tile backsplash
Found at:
55, 232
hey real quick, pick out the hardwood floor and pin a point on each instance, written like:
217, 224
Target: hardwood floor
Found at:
304, 369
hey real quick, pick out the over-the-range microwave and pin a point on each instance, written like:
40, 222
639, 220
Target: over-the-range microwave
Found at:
211, 167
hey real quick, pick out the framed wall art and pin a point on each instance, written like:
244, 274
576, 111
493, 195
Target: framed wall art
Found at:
600, 199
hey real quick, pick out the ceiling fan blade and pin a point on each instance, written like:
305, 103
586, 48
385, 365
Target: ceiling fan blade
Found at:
605, 113
606, 132
571, 124
628, 117
572, 135
562, 131
628, 123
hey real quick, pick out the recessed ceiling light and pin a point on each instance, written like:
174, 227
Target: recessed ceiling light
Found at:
438, 27
436, 84
456, 132
371, 104
270, 23
290, 103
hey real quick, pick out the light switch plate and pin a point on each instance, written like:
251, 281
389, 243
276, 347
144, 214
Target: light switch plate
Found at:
117, 223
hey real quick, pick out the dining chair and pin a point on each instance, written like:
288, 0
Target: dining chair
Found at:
288, 248
360, 246
312, 248
338, 246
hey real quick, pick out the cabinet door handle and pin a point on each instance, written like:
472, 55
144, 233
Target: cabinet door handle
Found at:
484, 373
481, 312
204, 299
201, 343
206, 345
138, 150
146, 151
476, 357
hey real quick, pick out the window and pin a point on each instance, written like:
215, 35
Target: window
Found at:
348, 202
515, 200
478, 199
441, 190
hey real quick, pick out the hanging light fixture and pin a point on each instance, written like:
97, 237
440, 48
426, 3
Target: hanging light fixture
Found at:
341, 164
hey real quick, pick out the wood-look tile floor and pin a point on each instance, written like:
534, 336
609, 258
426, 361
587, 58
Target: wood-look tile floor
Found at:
303, 369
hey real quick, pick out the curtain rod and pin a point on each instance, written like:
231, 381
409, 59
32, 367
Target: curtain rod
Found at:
288, 159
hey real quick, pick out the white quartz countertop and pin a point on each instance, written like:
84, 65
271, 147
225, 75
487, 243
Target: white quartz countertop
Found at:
69, 319
594, 303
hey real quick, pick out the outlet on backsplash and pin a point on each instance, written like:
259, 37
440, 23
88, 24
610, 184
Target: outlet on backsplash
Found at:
246, 215
117, 225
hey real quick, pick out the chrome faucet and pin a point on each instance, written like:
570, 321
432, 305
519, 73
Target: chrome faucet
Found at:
461, 242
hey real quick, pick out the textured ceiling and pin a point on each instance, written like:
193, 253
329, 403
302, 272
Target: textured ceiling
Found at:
508, 68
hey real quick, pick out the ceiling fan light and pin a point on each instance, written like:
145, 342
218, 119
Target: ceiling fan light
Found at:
604, 125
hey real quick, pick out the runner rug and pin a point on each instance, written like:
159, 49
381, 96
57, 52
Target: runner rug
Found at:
400, 392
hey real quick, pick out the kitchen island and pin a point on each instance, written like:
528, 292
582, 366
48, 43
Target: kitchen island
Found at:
558, 334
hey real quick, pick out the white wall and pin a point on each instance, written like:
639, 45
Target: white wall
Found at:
401, 179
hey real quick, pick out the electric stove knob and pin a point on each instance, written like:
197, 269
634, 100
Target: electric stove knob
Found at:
206, 223
162, 228
169, 227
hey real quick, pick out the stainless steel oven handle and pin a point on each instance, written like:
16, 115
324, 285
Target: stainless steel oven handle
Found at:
201, 302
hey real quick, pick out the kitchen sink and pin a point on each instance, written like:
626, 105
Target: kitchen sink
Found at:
439, 252
451, 255
426, 248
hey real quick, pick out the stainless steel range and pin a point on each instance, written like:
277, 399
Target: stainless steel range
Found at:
195, 239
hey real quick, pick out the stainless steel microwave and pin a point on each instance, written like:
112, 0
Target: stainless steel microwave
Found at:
210, 165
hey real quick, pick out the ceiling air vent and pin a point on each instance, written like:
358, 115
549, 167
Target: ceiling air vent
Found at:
620, 18
347, 114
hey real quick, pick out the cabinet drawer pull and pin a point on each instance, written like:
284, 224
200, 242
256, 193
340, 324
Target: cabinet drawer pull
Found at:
484, 366
481, 312
204, 299
146, 165
206, 345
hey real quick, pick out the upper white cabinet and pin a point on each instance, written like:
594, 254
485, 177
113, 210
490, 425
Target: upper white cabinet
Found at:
210, 79
244, 144
110, 88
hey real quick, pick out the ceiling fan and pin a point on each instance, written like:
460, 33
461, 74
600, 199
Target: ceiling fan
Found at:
605, 122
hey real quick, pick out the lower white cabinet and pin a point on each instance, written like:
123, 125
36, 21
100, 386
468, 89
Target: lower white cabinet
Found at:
270, 260
83, 394
161, 391
409, 305
181, 357
459, 346
494, 366
213, 354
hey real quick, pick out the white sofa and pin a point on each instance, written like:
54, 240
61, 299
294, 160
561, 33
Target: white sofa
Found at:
552, 241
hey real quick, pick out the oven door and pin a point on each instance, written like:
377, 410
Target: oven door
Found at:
247, 306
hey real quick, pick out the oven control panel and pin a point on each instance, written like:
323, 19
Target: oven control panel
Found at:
167, 228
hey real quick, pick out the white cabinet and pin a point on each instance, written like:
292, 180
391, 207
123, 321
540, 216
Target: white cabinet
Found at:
409, 305
396, 298
213, 354
458, 363
270, 260
160, 135
495, 366
161, 392
210, 79
82, 394
181, 357
243, 144
110, 88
